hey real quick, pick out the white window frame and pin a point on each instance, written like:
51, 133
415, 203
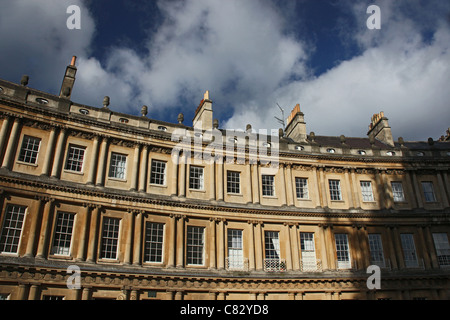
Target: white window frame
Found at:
398, 194
301, 188
64, 225
376, 250
158, 172
110, 238
196, 178
342, 251
195, 246
233, 182
367, 191
308, 251
428, 191
409, 250
118, 166
442, 247
75, 158
235, 249
268, 185
12, 228
154, 242
29, 150
335, 189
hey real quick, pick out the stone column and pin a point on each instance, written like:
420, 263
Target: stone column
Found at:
212, 180
10, 152
173, 241
354, 183
430, 244
3, 133
251, 251
174, 167
417, 189
219, 180
138, 233
392, 249
34, 218
283, 196
129, 241
94, 157
86, 293
182, 180
445, 200
93, 234
143, 170
44, 236
59, 153
255, 182
323, 248
398, 247
348, 188
249, 188
212, 241
83, 219
323, 187
49, 153
180, 242
288, 249
221, 244
295, 247
259, 250
102, 163
34, 292
135, 169
422, 245
290, 192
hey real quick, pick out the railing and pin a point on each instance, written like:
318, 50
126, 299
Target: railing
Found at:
236, 265
275, 265
311, 266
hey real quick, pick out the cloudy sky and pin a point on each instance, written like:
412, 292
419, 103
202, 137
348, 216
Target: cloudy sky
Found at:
250, 54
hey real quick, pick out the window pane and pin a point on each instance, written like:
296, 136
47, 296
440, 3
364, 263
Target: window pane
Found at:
196, 178
195, 243
335, 189
397, 191
235, 253
268, 187
428, 192
409, 250
342, 251
366, 191
272, 245
233, 182
110, 238
12, 228
158, 173
442, 248
308, 251
301, 188
117, 166
75, 158
29, 150
376, 250
63, 234
154, 235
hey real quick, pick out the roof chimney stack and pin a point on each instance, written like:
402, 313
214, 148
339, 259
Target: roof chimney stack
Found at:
296, 125
203, 118
69, 79
379, 129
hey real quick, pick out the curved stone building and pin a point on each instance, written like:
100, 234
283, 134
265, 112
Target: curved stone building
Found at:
97, 204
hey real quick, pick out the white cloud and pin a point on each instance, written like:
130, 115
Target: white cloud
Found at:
400, 72
35, 40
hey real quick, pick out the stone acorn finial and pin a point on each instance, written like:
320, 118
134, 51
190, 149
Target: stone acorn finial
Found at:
106, 102
144, 111
248, 128
281, 133
312, 136
215, 124
24, 80
342, 139
180, 118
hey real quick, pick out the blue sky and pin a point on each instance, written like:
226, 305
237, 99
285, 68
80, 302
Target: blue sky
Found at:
250, 54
